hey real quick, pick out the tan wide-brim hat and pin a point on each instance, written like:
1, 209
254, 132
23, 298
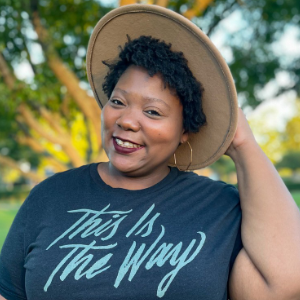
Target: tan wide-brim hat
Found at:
204, 60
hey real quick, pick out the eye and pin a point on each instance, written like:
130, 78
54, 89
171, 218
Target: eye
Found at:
116, 102
153, 113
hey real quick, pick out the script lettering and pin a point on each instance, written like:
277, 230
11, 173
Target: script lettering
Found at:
104, 224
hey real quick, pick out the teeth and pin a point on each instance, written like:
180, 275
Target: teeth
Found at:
127, 144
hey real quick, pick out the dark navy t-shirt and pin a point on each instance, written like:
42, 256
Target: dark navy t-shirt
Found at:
77, 238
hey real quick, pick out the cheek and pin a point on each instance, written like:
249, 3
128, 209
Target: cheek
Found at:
168, 133
107, 123
107, 117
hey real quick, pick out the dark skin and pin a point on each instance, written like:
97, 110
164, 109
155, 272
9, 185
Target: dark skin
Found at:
143, 111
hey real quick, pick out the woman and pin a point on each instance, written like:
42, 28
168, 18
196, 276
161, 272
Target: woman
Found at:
134, 228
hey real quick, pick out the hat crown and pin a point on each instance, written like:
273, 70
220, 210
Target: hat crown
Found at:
204, 60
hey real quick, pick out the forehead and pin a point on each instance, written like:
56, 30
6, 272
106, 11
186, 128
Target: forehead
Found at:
136, 80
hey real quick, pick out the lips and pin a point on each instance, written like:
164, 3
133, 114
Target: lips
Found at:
125, 146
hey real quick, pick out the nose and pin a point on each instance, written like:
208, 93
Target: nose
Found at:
128, 121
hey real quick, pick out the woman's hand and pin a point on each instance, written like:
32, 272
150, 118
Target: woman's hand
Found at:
243, 137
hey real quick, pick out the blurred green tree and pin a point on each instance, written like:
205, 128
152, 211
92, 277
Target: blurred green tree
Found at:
291, 136
39, 114
224, 168
47, 114
291, 160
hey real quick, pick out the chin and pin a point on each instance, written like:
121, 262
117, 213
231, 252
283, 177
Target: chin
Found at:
124, 166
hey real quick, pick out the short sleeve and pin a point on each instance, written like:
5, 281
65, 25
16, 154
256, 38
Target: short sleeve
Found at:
238, 245
12, 271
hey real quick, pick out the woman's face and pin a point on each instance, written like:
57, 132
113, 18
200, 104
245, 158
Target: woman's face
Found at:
141, 124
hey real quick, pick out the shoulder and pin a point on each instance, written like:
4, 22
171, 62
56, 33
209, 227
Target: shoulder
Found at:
53, 191
58, 184
213, 191
70, 176
191, 178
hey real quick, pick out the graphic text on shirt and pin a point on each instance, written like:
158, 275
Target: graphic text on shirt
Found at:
104, 224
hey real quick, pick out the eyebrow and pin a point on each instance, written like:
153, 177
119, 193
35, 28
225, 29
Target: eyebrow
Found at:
148, 99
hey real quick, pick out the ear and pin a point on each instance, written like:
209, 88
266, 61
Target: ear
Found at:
184, 136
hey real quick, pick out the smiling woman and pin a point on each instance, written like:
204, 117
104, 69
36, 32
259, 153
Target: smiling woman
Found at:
154, 103
156, 126
138, 227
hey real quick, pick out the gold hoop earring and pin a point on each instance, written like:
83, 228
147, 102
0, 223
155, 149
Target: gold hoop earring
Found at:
191, 155
191, 160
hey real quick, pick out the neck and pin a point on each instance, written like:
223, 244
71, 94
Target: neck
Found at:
116, 179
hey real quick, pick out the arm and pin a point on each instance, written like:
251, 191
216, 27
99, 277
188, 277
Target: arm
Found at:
1, 298
268, 267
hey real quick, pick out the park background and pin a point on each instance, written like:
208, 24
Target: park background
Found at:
50, 122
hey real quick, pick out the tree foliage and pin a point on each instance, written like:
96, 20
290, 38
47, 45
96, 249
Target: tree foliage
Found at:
48, 117
257, 56
290, 160
291, 136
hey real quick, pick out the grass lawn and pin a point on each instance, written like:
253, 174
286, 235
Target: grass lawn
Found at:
8, 212
296, 196
6, 218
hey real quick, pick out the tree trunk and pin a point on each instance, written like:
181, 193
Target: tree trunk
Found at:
126, 2
163, 3
4, 160
38, 148
61, 137
198, 8
9, 79
86, 103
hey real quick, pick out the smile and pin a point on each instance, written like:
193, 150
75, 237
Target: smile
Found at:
125, 147
127, 144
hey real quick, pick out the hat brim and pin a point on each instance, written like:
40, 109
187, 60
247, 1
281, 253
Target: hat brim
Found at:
204, 60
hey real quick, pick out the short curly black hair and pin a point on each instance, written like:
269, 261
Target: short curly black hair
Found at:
157, 57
